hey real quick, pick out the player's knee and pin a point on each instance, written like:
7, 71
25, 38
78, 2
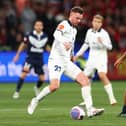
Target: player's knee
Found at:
42, 78
26, 70
102, 75
24, 74
54, 87
54, 84
82, 79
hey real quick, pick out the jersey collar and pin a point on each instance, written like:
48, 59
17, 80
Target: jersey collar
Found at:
96, 30
35, 33
70, 23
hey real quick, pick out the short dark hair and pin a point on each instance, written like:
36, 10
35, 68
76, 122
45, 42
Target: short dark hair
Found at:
37, 20
77, 9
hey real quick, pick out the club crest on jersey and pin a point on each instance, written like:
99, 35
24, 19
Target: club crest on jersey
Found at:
60, 27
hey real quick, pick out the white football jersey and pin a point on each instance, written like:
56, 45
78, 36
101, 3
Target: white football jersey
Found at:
98, 50
64, 32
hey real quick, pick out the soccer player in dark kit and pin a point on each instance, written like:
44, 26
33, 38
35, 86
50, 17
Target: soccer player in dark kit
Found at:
36, 42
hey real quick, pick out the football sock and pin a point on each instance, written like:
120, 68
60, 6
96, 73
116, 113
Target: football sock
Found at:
108, 89
124, 109
19, 84
39, 83
86, 95
45, 91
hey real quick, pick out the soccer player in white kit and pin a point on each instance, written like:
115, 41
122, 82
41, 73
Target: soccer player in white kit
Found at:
60, 62
98, 41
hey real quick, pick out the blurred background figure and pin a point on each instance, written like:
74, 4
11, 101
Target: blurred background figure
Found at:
28, 16
35, 42
19, 15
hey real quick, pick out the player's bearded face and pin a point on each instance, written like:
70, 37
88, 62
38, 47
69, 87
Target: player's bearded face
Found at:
96, 23
75, 18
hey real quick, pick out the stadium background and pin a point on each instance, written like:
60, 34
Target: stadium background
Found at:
17, 17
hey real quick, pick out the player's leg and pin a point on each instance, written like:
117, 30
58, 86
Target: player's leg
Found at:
75, 73
40, 81
54, 85
39, 70
89, 72
86, 94
102, 70
19, 85
55, 72
123, 112
108, 87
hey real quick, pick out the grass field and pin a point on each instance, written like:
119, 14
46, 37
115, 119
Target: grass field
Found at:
54, 110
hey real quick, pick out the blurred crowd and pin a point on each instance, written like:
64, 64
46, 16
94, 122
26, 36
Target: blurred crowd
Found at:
17, 18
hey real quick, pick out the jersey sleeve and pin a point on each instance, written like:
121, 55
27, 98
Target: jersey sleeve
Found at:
107, 41
85, 46
60, 30
82, 49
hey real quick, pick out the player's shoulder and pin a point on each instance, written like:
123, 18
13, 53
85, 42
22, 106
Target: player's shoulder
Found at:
44, 35
65, 23
89, 30
26, 37
104, 30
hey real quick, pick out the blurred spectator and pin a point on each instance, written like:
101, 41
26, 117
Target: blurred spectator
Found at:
28, 16
2, 17
3, 39
11, 17
20, 15
11, 38
67, 4
20, 4
122, 29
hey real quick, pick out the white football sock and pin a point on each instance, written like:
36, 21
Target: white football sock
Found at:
109, 91
86, 95
43, 93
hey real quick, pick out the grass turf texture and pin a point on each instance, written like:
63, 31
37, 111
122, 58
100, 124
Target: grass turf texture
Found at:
54, 109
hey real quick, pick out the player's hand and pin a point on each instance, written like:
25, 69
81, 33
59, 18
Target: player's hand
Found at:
74, 58
15, 59
100, 39
117, 63
67, 45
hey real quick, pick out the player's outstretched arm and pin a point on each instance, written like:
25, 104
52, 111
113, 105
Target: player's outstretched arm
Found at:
20, 49
119, 60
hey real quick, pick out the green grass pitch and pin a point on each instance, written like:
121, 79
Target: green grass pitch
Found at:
54, 109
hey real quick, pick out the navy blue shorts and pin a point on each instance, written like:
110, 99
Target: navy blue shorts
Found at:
37, 65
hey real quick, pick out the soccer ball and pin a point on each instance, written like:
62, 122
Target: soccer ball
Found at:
77, 113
